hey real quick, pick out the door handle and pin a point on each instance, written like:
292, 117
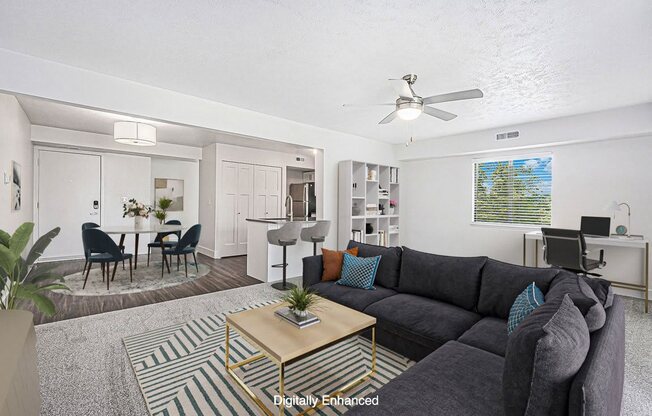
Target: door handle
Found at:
92, 213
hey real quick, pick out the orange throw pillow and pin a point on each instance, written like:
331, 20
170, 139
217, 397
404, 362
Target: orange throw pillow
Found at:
333, 262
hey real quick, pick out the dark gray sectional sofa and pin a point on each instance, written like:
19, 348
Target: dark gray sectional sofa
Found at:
450, 314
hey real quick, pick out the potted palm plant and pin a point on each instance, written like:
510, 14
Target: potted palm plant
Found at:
300, 301
20, 280
164, 203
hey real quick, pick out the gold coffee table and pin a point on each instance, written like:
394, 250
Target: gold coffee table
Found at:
284, 344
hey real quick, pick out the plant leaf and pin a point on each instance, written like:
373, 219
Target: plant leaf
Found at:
43, 303
21, 237
41, 244
44, 277
4, 238
52, 286
7, 260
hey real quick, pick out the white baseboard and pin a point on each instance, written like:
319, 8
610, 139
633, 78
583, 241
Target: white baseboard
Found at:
207, 252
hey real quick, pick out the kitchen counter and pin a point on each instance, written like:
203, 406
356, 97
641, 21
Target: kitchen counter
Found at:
261, 255
282, 220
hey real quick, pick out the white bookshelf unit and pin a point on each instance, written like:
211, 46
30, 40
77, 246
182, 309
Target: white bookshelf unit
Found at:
357, 190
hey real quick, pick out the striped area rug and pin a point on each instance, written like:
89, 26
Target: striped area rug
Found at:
180, 370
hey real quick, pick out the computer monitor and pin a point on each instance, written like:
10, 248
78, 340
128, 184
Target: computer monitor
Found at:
596, 226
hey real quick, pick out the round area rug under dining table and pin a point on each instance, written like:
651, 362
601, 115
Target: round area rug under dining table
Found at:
144, 279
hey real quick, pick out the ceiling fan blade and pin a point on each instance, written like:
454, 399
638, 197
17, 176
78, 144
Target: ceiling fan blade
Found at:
402, 88
365, 105
389, 118
440, 114
454, 96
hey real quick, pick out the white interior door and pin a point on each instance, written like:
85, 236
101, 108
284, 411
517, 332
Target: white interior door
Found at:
228, 217
68, 196
260, 192
245, 206
273, 185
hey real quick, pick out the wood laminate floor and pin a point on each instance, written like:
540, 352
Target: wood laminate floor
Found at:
226, 273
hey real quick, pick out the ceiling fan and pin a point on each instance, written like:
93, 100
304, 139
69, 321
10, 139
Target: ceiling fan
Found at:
409, 106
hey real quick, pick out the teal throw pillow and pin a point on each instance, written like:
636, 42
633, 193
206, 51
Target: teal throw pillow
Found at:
526, 302
359, 272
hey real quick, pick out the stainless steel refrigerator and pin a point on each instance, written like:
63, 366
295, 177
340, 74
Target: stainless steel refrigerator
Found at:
304, 202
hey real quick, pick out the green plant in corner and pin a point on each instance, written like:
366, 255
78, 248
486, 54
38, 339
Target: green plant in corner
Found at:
19, 278
301, 300
160, 215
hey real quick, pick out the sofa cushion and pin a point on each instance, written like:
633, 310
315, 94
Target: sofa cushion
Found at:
489, 334
502, 282
602, 289
544, 353
449, 279
332, 262
389, 268
421, 320
357, 299
454, 380
359, 272
526, 302
579, 291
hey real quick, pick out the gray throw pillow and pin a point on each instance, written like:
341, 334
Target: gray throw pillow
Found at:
544, 353
579, 290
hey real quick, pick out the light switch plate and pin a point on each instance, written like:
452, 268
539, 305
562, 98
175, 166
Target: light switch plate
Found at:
7, 178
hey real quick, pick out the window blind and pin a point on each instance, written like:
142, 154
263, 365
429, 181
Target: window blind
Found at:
513, 191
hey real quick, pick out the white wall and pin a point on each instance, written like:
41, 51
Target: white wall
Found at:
207, 208
125, 176
15, 146
436, 193
188, 171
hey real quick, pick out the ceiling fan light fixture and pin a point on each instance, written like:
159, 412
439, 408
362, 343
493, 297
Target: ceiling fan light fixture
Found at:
408, 113
135, 134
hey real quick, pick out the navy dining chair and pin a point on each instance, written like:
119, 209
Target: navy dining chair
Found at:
186, 245
166, 244
104, 251
87, 253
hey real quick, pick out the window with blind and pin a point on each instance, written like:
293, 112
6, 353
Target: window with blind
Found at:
513, 191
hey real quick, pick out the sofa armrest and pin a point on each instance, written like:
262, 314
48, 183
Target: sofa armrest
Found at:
312, 270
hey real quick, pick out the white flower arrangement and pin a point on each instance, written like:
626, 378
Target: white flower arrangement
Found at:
134, 208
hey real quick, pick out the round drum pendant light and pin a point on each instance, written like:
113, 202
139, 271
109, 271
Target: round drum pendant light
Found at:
135, 134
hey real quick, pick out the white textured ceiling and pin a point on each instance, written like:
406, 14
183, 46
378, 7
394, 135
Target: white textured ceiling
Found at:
301, 60
48, 113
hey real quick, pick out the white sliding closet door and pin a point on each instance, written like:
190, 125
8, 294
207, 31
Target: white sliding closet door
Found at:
235, 202
68, 196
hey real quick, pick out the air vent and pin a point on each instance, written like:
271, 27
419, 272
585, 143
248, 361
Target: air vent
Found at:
508, 135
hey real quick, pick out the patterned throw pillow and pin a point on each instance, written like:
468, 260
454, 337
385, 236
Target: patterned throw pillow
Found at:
359, 272
526, 302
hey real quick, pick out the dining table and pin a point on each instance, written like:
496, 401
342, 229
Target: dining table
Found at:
123, 230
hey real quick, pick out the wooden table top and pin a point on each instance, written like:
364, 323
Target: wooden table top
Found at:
284, 342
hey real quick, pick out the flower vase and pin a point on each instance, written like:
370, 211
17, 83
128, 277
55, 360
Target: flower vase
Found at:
138, 221
391, 210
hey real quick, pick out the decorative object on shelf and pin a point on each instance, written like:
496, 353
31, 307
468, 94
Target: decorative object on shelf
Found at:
372, 175
381, 207
137, 210
300, 301
136, 134
355, 210
383, 193
382, 240
356, 235
621, 229
164, 204
369, 228
372, 209
19, 279
392, 206
16, 190
171, 189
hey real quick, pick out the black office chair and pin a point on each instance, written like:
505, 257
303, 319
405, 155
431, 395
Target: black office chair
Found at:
166, 244
566, 249
104, 251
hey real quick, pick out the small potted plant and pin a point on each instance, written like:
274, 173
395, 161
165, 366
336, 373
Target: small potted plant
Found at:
300, 301
392, 205
136, 210
164, 203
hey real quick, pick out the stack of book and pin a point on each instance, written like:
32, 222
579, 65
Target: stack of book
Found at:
356, 235
298, 321
393, 175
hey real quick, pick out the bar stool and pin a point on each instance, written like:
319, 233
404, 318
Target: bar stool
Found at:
316, 234
285, 236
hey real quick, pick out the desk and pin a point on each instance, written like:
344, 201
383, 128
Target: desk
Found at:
614, 241
145, 229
